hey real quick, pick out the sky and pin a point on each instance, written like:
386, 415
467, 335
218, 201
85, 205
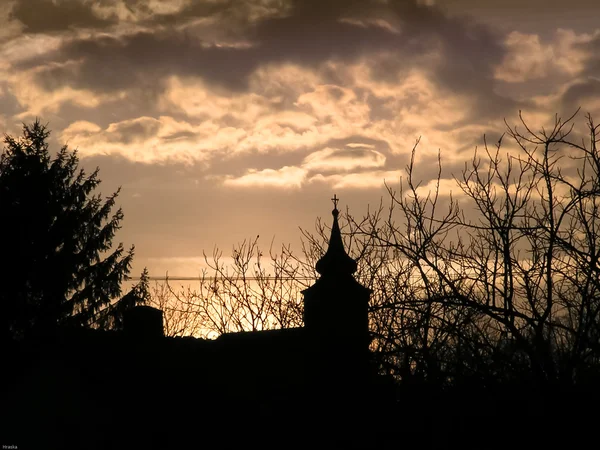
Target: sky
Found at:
222, 120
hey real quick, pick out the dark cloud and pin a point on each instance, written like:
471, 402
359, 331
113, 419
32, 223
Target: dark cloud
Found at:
113, 63
579, 94
309, 33
585, 92
120, 62
8, 102
468, 52
592, 63
351, 153
185, 135
136, 130
44, 16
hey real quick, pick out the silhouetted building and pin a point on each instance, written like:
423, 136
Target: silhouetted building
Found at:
336, 306
276, 388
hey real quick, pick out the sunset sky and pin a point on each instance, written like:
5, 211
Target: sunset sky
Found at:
223, 120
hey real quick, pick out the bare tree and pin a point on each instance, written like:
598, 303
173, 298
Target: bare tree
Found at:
515, 290
243, 295
501, 282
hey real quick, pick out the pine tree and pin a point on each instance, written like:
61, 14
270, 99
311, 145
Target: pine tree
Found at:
59, 267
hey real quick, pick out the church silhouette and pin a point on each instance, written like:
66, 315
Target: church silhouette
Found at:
310, 386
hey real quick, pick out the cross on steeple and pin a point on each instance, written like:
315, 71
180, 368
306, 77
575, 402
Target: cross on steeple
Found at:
335, 201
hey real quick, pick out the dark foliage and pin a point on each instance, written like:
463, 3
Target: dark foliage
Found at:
59, 264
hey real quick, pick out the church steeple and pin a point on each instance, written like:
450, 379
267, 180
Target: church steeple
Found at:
336, 261
336, 305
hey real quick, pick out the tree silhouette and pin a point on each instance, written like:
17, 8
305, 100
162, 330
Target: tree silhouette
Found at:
58, 265
498, 284
246, 295
504, 280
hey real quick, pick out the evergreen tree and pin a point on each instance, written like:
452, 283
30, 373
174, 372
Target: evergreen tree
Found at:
59, 264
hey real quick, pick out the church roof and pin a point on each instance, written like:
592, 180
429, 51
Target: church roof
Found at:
336, 261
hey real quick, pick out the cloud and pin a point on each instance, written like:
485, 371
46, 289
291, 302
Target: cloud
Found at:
35, 100
264, 84
269, 121
8, 27
218, 122
200, 80
152, 140
27, 47
80, 129
291, 177
210, 110
196, 99
362, 180
582, 93
575, 51
138, 11
344, 160
43, 16
286, 178
446, 187
335, 105
528, 58
402, 30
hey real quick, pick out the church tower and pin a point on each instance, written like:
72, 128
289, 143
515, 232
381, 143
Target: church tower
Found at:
336, 306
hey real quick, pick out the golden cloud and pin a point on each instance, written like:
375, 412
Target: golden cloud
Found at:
150, 140
363, 180
529, 59
287, 177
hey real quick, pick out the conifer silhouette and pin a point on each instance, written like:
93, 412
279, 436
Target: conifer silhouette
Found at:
59, 264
